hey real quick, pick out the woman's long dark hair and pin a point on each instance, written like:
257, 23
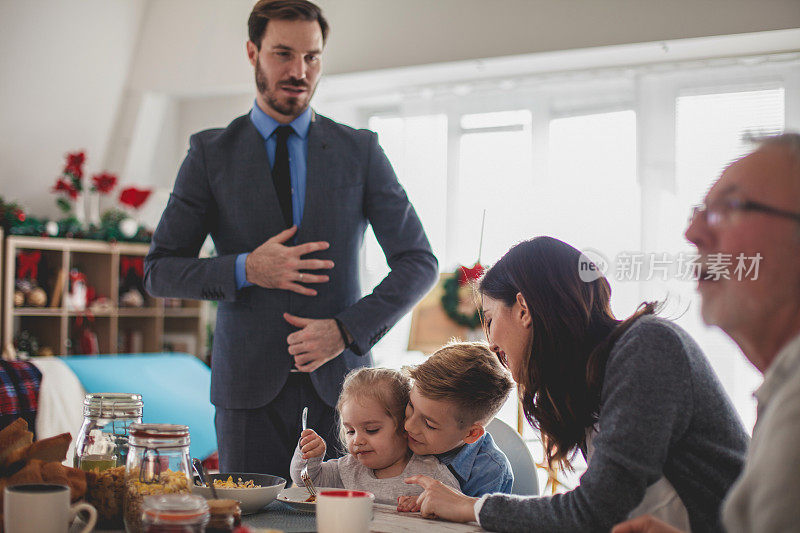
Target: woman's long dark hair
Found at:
573, 332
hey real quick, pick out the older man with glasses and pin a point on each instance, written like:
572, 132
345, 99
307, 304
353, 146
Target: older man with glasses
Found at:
754, 210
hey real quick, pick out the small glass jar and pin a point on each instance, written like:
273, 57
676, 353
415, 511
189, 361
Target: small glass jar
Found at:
174, 513
158, 463
225, 516
102, 442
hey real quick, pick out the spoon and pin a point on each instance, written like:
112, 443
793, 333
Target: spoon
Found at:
198, 467
201, 471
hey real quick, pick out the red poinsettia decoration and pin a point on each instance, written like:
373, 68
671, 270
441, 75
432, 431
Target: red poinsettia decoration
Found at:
66, 186
74, 164
104, 182
133, 197
69, 184
467, 274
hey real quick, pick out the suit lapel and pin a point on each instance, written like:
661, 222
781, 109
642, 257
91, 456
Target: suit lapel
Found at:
258, 194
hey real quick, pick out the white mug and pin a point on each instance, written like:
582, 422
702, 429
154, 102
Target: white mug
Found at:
42, 507
344, 511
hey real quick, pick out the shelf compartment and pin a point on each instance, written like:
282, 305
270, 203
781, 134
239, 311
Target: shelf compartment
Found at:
96, 267
131, 271
181, 335
46, 329
50, 264
138, 334
100, 326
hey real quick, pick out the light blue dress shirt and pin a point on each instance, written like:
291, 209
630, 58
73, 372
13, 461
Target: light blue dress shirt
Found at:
298, 150
480, 468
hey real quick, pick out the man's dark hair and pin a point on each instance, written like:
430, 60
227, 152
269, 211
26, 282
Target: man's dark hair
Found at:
266, 10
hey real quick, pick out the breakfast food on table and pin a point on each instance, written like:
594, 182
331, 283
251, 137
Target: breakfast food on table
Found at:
169, 482
105, 490
24, 461
17, 446
231, 484
14, 437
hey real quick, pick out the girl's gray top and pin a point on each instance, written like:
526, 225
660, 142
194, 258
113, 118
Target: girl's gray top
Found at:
662, 412
348, 473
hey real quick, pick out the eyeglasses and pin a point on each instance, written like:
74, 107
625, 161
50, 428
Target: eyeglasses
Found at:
719, 212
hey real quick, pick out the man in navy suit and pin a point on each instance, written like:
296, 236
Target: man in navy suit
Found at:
286, 195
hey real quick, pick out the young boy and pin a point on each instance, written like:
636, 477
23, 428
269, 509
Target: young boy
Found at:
454, 394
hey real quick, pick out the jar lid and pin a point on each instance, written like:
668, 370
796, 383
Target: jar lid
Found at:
157, 431
176, 508
112, 404
223, 507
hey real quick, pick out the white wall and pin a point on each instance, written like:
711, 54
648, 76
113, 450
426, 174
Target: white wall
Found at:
63, 66
98, 74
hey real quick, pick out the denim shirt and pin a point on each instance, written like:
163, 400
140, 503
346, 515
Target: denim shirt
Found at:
480, 468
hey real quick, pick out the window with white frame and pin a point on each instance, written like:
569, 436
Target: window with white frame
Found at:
609, 160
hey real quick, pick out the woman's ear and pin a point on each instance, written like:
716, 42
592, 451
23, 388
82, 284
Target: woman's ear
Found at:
523, 311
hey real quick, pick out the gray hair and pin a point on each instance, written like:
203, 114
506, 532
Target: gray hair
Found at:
789, 140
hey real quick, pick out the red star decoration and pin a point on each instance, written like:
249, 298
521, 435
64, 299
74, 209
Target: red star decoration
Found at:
467, 274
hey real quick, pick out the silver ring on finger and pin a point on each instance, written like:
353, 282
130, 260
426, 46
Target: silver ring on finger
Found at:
301, 276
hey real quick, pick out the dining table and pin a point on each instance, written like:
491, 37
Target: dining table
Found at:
386, 519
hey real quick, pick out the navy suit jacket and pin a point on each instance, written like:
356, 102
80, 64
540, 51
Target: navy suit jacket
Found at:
224, 188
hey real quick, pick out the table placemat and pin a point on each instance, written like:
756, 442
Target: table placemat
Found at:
279, 516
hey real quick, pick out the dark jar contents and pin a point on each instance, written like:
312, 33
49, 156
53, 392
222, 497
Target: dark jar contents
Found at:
225, 516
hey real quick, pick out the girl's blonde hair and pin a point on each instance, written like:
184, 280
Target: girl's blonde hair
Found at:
384, 386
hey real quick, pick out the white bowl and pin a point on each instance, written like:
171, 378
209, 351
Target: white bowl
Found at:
250, 500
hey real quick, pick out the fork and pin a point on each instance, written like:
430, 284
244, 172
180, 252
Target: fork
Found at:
304, 472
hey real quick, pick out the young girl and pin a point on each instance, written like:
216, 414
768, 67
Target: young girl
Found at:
372, 410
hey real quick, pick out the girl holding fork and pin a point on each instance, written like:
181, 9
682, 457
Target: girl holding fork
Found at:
372, 409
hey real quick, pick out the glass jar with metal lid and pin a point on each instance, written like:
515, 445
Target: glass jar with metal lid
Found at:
174, 513
158, 463
102, 442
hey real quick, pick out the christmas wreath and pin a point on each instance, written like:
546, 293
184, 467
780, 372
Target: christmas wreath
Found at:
451, 299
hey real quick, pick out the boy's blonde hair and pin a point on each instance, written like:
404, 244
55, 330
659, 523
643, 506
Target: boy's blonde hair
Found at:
388, 388
467, 375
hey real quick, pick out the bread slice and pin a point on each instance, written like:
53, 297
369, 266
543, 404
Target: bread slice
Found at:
74, 478
30, 473
49, 449
77, 483
54, 472
14, 438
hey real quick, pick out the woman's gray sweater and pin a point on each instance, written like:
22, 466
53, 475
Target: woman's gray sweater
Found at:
662, 413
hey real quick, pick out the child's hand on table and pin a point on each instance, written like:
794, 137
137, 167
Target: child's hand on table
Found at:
407, 504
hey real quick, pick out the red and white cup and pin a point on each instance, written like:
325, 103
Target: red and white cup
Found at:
344, 511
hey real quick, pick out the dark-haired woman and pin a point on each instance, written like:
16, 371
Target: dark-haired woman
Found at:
637, 398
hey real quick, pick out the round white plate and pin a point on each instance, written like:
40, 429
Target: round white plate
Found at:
296, 496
